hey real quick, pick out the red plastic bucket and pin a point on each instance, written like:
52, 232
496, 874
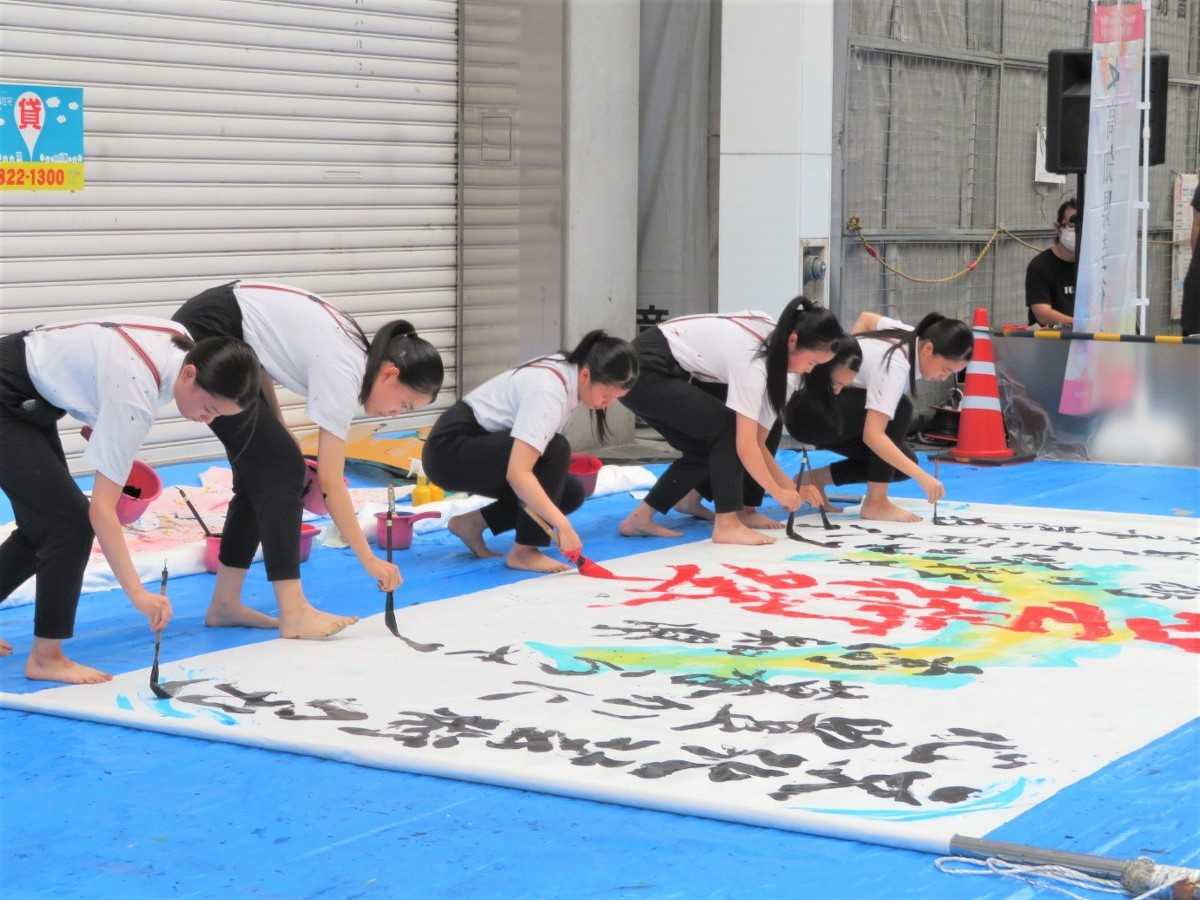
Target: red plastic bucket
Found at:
586, 469
212, 546
142, 487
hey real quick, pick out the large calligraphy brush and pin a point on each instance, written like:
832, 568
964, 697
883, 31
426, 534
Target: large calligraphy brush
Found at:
194, 512
790, 527
389, 613
159, 690
936, 519
805, 464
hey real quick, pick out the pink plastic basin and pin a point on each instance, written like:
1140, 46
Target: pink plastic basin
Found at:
142, 487
314, 500
212, 546
402, 528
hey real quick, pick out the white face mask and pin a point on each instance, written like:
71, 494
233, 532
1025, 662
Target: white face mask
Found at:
1067, 239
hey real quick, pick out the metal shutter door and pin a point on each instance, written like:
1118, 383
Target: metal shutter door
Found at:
305, 142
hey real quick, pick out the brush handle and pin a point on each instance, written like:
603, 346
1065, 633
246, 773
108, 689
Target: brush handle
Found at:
194, 512
391, 512
389, 609
542, 523
577, 559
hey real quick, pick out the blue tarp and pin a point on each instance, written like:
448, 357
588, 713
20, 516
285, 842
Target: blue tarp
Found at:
97, 811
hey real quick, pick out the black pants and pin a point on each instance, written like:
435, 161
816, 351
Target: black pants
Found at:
692, 417
752, 491
460, 455
53, 537
806, 421
268, 468
1189, 320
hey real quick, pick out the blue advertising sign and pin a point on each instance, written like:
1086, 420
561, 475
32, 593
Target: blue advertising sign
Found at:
41, 138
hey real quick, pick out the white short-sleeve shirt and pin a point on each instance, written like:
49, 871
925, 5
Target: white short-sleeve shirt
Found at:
95, 376
885, 383
309, 347
534, 401
727, 349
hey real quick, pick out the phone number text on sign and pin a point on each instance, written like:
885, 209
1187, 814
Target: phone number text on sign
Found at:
43, 176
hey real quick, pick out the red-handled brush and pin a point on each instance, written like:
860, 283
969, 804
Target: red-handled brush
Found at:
577, 559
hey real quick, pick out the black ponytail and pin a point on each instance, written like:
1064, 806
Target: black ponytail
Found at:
419, 362
949, 338
818, 383
815, 328
611, 361
225, 367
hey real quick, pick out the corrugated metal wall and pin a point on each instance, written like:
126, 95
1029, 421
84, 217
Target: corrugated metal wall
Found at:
511, 183
307, 142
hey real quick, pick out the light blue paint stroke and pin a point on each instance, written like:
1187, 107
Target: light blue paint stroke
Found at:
168, 710
124, 703
988, 801
221, 718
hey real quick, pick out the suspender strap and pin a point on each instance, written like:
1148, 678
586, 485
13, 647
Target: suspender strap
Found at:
336, 314
120, 329
557, 374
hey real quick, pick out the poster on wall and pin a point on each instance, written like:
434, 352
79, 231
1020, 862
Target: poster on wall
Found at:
41, 138
1181, 237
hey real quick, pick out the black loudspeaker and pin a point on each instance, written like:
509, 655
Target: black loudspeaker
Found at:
1068, 106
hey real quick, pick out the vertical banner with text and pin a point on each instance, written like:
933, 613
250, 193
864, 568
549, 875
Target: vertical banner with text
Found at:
1106, 286
41, 138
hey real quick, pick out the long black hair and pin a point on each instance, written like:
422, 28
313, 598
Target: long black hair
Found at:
949, 338
419, 362
815, 328
225, 367
611, 361
819, 382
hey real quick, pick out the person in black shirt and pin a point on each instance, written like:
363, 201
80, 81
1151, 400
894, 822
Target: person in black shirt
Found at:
1050, 276
1190, 318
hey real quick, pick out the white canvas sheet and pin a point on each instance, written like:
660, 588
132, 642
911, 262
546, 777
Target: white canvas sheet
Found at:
910, 683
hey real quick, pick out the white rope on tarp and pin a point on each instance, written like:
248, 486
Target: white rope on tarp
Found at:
1153, 880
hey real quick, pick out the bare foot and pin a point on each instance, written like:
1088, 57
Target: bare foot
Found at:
5, 648
728, 529
59, 668
693, 505
640, 523
530, 559
752, 518
886, 511
634, 526
469, 528
237, 615
312, 623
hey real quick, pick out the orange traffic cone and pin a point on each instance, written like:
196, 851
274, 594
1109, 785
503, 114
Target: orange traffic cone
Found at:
981, 425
